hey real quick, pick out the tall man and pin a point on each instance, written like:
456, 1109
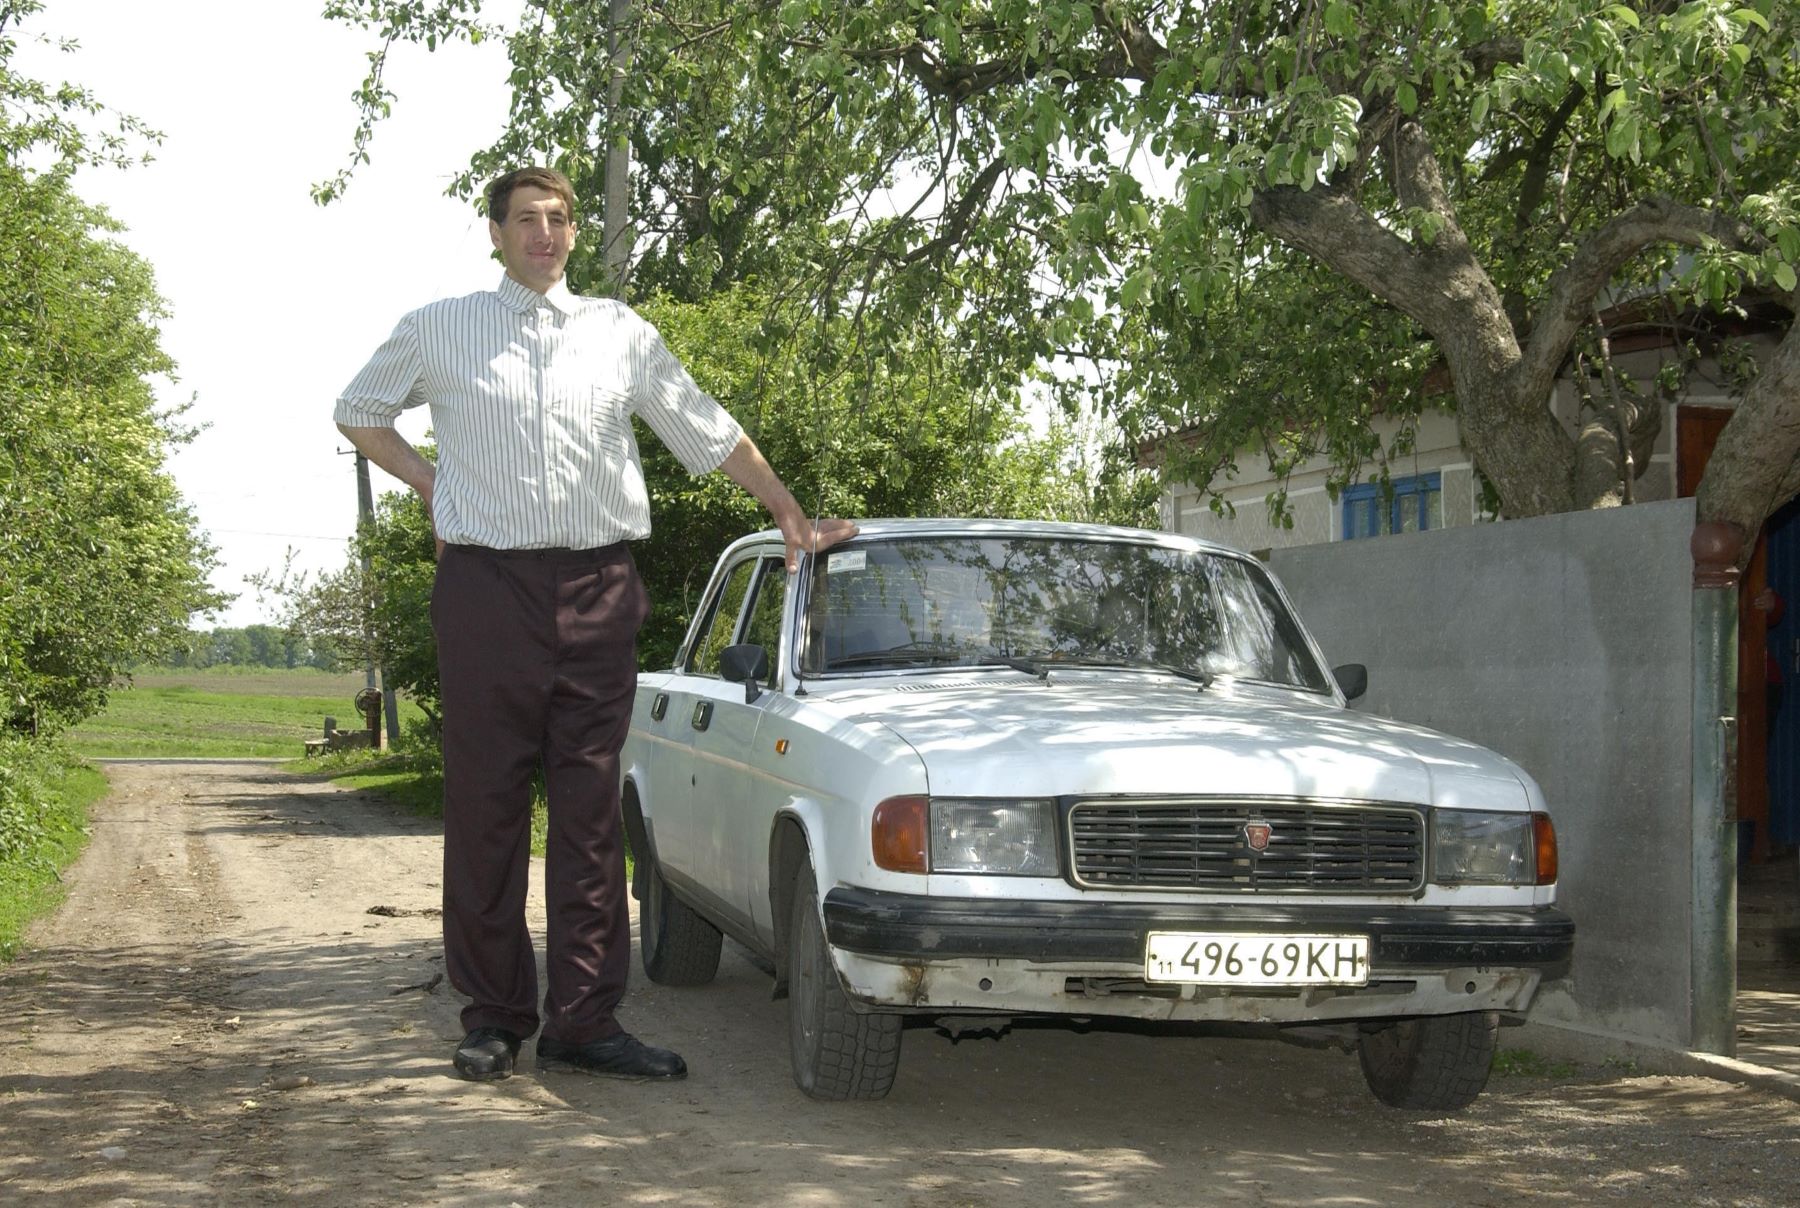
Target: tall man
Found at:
536, 607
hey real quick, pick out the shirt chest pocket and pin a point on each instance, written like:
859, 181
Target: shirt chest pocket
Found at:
609, 418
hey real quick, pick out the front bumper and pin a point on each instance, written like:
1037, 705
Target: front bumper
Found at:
906, 926
901, 951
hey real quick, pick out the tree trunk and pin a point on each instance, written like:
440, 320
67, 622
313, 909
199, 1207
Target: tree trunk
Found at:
1755, 467
1506, 423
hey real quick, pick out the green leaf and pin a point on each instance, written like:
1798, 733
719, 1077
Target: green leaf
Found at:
1784, 276
1478, 109
1624, 16
1340, 19
794, 14
1408, 96
1620, 137
1135, 290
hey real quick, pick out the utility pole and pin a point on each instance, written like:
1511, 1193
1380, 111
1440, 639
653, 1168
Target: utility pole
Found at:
615, 230
1712, 926
365, 512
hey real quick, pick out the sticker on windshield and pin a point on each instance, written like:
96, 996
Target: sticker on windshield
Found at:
853, 559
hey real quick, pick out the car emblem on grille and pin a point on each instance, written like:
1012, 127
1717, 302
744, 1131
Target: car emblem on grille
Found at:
1257, 834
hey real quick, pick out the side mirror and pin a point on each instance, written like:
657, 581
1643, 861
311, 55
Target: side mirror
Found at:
1352, 679
747, 664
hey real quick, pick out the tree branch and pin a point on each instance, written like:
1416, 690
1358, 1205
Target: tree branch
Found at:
1484, 57
1537, 162
955, 225
1574, 286
1140, 54
1418, 178
1332, 228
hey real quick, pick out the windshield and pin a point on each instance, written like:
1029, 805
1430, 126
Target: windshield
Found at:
966, 601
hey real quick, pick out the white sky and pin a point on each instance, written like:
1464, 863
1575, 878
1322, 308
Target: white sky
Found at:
277, 301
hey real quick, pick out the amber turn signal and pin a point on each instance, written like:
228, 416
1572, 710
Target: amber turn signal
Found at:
901, 829
1543, 838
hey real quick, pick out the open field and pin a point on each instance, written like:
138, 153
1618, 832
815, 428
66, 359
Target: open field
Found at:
222, 711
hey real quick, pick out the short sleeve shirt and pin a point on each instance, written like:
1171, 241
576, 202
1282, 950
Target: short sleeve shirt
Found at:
531, 399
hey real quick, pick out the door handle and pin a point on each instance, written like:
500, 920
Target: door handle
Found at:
702, 714
659, 706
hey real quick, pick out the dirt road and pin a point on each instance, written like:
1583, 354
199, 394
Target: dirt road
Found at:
215, 1017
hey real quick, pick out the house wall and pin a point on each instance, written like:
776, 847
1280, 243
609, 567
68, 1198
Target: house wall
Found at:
1565, 644
1437, 447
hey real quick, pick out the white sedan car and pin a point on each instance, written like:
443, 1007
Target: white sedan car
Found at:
989, 769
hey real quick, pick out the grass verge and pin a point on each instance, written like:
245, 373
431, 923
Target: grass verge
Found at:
412, 780
216, 713
47, 794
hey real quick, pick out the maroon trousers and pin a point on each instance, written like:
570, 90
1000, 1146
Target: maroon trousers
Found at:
537, 661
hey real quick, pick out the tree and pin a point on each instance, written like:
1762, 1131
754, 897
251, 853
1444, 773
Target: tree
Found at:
1282, 195
760, 213
100, 559
232, 648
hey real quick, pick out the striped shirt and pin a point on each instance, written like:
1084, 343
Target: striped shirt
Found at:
531, 401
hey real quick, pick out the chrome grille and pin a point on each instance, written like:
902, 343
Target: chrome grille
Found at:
1314, 846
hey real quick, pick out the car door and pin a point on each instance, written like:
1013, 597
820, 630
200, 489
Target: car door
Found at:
728, 775
682, 810
757, 791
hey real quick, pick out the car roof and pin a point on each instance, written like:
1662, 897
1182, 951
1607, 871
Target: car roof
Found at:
888, 527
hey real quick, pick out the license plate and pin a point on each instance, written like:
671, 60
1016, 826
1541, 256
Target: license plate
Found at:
1223, 959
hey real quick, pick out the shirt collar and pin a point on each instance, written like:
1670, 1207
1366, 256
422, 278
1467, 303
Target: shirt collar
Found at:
523, 299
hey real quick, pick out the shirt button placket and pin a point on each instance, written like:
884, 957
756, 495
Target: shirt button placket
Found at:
540, 366
554, 422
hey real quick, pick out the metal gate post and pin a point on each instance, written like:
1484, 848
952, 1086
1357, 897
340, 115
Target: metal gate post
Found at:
1712, 936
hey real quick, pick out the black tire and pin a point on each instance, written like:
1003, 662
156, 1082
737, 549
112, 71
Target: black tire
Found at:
838, 1051
679, 947
1437, 1063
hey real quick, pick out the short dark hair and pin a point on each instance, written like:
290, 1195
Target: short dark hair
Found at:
499, 194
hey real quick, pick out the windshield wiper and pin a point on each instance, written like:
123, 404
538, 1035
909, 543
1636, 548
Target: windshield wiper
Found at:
1028, 666
902, 655
1203, 678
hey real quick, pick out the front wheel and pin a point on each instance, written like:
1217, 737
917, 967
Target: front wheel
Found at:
1436, 1063
679, 947
838, 1051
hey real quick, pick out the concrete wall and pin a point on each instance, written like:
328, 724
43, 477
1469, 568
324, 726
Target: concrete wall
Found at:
1565, 644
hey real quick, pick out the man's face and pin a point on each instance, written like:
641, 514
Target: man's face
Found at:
535, 237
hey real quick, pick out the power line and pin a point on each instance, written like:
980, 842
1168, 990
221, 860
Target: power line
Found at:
264, 533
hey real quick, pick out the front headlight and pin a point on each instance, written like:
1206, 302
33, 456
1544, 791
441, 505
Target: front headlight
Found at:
1004, 837
1476, 847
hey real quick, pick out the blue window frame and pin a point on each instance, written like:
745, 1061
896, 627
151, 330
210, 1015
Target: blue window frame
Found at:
1408, 505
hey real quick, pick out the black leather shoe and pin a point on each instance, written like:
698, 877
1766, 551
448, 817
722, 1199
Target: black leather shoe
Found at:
621, 1056
487, 1054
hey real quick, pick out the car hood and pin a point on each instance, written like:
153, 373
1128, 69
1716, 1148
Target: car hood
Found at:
1080, 734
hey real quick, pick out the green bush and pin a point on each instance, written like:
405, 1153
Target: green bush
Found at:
44, 794
28, 770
